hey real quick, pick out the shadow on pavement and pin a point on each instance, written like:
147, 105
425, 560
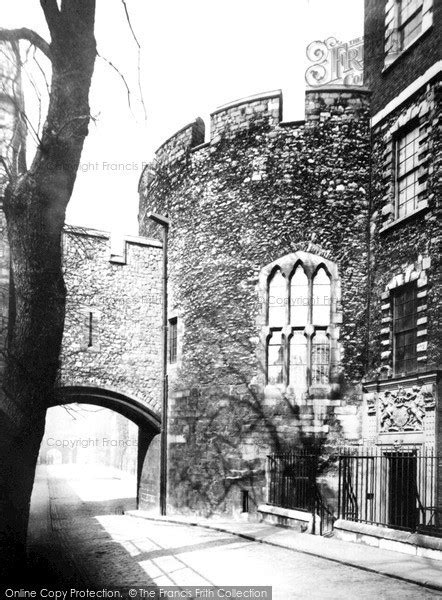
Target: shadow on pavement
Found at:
65, 537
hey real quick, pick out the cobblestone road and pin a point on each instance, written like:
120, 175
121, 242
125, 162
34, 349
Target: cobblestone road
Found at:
81, 536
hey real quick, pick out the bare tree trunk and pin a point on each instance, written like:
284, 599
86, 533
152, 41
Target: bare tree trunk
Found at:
35, 206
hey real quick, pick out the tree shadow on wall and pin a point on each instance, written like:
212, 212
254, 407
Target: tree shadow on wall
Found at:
230, 431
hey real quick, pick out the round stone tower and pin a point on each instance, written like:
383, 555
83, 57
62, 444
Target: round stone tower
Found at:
260, 199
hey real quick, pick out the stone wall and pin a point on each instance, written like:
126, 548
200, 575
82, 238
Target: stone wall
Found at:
260, 189
113, 323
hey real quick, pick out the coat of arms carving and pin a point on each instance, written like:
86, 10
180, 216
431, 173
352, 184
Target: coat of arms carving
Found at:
404, 410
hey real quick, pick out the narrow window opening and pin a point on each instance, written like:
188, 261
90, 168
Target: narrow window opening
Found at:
90, 340
320, 358
245, 501
275, 358
407, 171
277, 299
405, 329
173, 340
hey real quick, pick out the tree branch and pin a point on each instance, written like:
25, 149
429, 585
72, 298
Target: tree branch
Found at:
139, 57
6, 167
40, 68
111, 64
52, 14
23, 33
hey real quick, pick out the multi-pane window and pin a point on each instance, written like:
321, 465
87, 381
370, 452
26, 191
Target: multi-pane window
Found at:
299, 315
405, 22
405, 329
409, 21
320, 358
407, 165
173, 339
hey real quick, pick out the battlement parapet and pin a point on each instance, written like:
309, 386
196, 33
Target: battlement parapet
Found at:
186, 138
337, 103
236, 116
116, 245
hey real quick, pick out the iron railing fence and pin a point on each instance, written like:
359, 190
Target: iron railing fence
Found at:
393, 487
389, 486
291, 480
293, 483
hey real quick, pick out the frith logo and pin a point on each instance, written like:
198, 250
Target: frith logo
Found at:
335, 62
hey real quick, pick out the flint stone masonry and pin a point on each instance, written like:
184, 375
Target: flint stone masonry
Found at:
258, 190
122, 352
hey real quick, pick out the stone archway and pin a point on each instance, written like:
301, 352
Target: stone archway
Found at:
149, 426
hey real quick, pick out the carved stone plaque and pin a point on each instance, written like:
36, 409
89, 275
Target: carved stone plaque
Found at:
404, 409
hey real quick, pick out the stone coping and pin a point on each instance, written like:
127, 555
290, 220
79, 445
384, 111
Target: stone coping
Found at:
421, 378
248, 100
394, 535
288, 513
130, 239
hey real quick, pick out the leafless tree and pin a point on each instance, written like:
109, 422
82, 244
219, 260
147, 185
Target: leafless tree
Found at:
35, 205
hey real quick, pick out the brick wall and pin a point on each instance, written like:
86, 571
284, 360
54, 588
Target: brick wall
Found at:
406, 250
260, 189
387, 83
409, 249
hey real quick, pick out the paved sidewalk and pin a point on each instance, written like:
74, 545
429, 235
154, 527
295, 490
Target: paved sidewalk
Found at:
422, 571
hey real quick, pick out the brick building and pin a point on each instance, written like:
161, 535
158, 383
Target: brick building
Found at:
404, 220
402, 383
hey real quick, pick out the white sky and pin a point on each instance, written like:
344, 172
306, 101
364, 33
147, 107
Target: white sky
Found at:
196, 55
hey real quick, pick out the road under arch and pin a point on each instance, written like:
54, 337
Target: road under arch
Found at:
149, 426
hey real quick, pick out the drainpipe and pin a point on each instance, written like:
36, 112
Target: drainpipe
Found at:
164, 222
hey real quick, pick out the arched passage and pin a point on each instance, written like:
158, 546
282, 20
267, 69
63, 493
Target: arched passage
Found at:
149, 424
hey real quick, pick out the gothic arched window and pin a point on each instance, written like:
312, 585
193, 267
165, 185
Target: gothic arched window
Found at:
299, 297
277, 306
299, 323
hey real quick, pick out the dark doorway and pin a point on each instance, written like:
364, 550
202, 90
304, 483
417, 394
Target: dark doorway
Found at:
402, 490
